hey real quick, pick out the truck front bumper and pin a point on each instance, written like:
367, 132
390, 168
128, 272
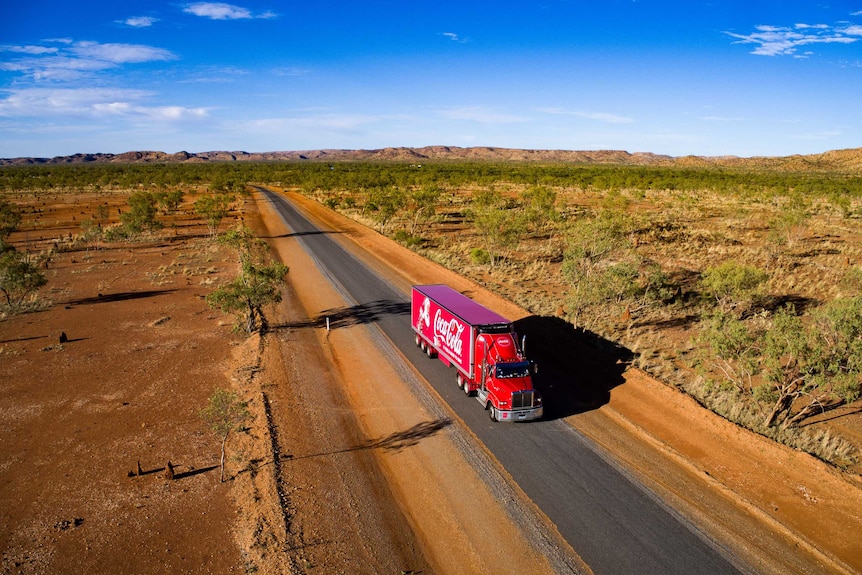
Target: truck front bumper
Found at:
520, 414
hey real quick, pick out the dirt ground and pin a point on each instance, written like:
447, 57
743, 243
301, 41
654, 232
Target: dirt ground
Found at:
322, 481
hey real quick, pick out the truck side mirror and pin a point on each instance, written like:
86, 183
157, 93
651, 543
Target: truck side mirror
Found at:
534, 367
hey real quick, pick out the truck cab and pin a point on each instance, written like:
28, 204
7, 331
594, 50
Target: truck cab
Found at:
504, 377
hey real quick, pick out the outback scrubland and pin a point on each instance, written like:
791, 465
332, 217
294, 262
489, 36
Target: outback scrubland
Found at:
739, 283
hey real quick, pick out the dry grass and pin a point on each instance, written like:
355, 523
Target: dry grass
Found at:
685, 233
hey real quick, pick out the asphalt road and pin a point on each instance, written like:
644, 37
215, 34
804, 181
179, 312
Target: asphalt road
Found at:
614, 523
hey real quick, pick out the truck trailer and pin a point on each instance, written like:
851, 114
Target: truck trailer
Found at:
482, 346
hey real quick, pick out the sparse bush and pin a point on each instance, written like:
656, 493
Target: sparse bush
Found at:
480, 257
213, 208
732, 286
409, 240
19, 278
141, 215
169, 202
9, 220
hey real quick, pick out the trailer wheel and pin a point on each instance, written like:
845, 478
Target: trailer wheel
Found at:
432, 353
423, 346
418, 340
460, 380
492, 412
467, 391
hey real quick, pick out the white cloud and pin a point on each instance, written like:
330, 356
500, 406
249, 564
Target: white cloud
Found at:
224, 11
75, 60
784, 41
92, 103
120, 53
291, 71
454, 37
33, 50
480, 114
598, 116
139, 21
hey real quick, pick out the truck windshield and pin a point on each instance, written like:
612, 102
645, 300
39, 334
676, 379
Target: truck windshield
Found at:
516, 369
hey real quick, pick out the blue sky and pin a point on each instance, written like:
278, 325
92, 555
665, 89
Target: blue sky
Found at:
666, 76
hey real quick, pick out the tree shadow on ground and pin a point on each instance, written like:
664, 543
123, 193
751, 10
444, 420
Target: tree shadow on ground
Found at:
393, 442
123, 296
354, 315
800, 303
576, 368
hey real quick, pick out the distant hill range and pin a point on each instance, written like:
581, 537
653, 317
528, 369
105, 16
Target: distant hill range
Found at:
837, 160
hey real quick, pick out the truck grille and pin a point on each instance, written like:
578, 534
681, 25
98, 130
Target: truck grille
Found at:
522, 399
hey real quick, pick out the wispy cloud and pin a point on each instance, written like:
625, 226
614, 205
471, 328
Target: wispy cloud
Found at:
93, 103
480, 114
290, 71
786, 40
720, 119
32, 50
138, 21
455, 37
597, 116
120, 53
73, 60
224, 11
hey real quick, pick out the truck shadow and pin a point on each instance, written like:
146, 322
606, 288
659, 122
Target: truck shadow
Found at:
576, 368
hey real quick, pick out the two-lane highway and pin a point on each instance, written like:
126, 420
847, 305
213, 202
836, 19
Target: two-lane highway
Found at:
615, 524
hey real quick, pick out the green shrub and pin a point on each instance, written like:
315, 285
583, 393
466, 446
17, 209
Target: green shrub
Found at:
480, 256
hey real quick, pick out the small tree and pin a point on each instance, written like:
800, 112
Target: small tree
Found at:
256, 286
141, 215
820, 363
213, 208
793, 367
501, 229
540, 203
9, 220
224, 413
169, 202
421, 204
733, 348
788, 227
385, 203
19, 278
500, 226
597, 264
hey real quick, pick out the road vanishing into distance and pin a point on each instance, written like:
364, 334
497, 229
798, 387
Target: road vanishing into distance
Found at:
614, 523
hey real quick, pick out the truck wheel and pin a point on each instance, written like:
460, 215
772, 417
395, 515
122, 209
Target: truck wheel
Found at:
492, 413
418, 340
467, 389
432, 353
460, 380
423, 346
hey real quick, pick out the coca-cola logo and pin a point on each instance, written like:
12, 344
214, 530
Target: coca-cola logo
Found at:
449, 332
425, 313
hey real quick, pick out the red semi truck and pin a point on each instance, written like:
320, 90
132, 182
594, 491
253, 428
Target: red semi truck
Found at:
483, 347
